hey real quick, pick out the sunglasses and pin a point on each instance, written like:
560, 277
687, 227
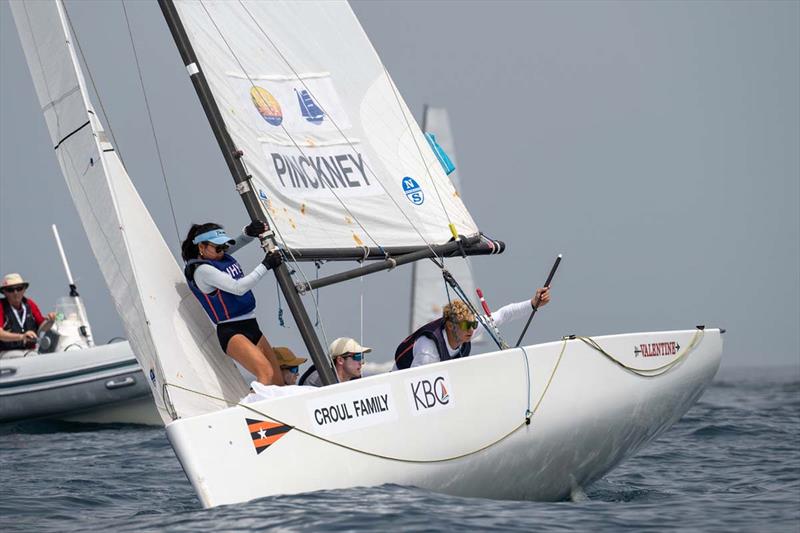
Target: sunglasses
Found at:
357, 357
218, 247
18, 288
467, 325
292, 369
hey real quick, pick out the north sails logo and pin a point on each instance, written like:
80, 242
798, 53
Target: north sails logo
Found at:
656, 349
413, 191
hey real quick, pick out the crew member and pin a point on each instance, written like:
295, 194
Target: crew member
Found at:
347, 357
20, 316
290, 364
224, 291
451, 336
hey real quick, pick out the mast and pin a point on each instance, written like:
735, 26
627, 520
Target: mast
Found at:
73, 292
251, 202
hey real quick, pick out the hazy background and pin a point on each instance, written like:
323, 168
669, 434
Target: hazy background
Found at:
655, 144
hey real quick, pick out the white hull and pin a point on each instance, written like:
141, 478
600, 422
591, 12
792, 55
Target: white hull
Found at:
103, 384
593, 415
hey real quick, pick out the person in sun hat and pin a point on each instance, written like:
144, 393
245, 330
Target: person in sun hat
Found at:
225, 292
19, 315
451, 336
289, 363
347, 356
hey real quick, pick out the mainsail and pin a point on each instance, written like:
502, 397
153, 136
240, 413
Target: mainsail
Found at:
428, 292
331, 146
170, 334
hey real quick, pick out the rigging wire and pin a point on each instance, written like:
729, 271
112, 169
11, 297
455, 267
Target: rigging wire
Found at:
361, 309
152, 125
344, 136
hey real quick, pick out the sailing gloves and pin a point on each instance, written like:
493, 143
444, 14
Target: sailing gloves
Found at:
255, 228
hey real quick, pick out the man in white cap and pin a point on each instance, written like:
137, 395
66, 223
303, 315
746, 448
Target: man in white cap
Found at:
20, 317
346, 355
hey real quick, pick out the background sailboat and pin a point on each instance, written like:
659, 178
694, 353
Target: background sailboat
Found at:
391, 428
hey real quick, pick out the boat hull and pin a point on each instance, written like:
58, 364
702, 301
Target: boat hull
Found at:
464, 433
103, 384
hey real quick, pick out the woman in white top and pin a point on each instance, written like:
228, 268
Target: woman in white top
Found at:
224, 291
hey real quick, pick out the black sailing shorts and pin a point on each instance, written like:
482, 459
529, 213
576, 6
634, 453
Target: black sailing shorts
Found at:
249, 328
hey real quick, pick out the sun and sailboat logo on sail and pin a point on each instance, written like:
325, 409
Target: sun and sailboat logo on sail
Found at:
270, 109
302, 142
267, 105
265, 434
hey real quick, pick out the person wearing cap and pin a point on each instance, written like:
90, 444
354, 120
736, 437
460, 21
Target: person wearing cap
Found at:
347, 355
19, 315
225, 292
451, 336
289, 363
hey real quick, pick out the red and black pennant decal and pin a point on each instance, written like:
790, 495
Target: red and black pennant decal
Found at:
265, 434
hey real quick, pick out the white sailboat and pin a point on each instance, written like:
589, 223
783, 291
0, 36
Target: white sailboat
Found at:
355, 182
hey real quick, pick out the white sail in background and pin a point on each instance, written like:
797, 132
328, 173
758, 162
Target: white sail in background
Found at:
322, 126
171, 337
428, 292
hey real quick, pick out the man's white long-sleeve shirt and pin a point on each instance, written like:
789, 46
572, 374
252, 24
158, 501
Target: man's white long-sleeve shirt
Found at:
425, 351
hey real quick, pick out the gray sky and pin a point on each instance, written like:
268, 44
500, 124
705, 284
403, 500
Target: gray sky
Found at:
655, 144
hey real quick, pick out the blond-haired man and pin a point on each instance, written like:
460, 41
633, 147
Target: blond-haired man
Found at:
451, 336
346, 355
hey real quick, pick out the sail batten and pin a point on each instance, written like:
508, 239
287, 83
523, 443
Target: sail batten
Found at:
334, 153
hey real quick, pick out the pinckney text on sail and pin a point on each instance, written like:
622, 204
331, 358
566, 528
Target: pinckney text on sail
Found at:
332, 171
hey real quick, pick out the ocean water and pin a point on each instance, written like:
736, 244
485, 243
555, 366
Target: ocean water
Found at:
731, 464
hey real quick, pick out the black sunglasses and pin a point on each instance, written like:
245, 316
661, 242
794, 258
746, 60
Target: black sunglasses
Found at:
217, 247
16, 288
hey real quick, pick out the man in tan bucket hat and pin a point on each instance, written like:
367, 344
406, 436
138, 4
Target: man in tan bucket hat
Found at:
19, 316
289, 363
347, 356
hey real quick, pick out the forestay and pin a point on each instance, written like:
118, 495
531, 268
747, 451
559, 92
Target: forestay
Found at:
428, 292
336, 156
170, 334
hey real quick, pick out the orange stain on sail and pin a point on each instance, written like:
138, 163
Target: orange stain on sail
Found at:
358, 241
294, 226
348, 220
303, 209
